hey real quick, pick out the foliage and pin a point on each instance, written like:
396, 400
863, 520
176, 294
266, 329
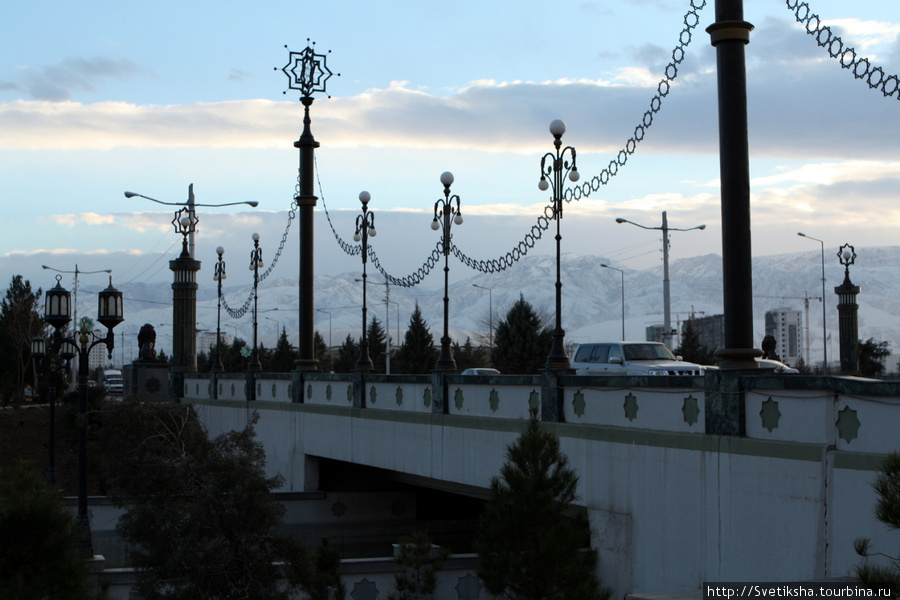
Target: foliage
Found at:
420, 561
284, 356
200, 520
528, 547
324, 581
347, 356
872, 356
375, 335
19, 322
469, 356
38, 556
691, 349
521, 344
887, 510
417, 354
322, 353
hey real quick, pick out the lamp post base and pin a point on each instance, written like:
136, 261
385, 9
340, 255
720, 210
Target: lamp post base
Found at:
558, 359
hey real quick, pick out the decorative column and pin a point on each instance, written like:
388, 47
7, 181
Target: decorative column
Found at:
729, 34
848, 314
184, 304
306, 72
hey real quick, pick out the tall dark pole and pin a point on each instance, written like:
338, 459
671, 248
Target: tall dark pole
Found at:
729, 34
255, 263
824, 321
446, 215
555, 166
365, 227
218, 276
308, 73
57, 312
184, 303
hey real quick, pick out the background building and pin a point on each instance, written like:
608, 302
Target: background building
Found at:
786, 324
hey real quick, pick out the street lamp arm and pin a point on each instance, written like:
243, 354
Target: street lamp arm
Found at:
620, 220
77, 271
253, 203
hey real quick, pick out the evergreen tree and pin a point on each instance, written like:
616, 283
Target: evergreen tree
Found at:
19, 322
38, 555
528, 548
872, 356
284, 356
417, 354
521, 344
691, 349
324, 581
347, 356
375, 335
420, 562
200, 520
887, 510
468, 356
322, 353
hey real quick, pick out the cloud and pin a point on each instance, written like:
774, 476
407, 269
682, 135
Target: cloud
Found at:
55, 83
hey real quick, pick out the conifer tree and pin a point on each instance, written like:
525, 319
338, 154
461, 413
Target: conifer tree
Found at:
347, 356
887, 510
417, 354
691, 349
284, 356
528, 547
376, 337
521, 343
322, 353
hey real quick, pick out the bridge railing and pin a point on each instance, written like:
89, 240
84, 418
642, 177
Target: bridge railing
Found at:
847, 413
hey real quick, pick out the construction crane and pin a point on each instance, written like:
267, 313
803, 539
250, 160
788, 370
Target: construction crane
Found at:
806, 298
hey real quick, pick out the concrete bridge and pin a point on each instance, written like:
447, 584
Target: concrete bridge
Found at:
728, 477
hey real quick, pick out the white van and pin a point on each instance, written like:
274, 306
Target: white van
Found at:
630, 358
112, 381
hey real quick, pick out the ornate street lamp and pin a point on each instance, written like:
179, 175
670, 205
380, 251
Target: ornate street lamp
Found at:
308, 73
57, 307
443, 211
256, 262
824, 322
365, 227
218, 276
667, 302
555, 166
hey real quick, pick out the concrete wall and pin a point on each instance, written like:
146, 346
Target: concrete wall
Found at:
671, 504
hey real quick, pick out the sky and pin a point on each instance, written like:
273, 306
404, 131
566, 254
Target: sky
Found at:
102, 97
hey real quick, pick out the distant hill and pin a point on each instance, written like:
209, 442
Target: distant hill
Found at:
591, 299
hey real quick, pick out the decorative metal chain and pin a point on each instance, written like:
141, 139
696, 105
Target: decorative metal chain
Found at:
861, 67
240, 312
691, 20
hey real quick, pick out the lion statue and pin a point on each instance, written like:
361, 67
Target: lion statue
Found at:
147, 343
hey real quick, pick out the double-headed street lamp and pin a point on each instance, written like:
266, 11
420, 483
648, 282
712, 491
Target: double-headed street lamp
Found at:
622, 273
218, 276
57, 312
824, 329
444, 216
667, 304
190, 204
365, 227
256, 262
555, 167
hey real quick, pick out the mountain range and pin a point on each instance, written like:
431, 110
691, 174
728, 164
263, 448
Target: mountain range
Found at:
591, 300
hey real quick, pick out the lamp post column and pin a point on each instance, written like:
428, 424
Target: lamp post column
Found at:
307, 72
218, 276
365, 227
555, 166
255, 263
729, 34
446, 215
